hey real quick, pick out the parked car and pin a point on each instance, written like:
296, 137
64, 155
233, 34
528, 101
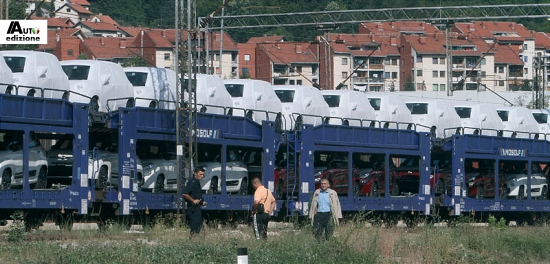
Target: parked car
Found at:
236, 173
11, 161
373, 181
337, 175
408, 175
159, 166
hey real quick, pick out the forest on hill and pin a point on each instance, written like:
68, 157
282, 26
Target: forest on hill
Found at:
160, 13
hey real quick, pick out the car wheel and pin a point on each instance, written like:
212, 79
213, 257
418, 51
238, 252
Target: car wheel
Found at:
159, 184
102, 178
521, 193
504, 193
42, 180
479, 192
544, 193
395, 191
279, 191
244, 187
356, 189
440, 187
374, 191
213, 186
6, 180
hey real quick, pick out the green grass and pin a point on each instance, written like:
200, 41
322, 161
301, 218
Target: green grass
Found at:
354, 242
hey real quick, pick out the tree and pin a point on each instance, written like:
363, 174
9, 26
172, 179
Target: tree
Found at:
409, 85
82, 56
135, 61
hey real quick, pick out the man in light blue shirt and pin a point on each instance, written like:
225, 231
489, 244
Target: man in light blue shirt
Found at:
324, 207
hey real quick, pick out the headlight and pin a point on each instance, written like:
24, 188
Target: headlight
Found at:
148, 169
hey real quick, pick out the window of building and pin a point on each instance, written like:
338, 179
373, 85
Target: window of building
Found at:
387, 62
344, 61
344, 75
419, 58
299, 69
68, 10
483, 61
525, 46
500, 83
166, 56
500, 69
435, 87
442, 87
247, 57
419, 73
442, 74
217, 57
393, 61
394, 75
483, 74
525, 58
298, 82
291, 82
386, 75
441, 60
525, 71
70, 52
435, 60
434, 74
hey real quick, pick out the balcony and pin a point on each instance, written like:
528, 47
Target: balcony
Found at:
360, 80
376, 66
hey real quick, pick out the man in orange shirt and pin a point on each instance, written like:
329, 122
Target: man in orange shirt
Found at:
264, 197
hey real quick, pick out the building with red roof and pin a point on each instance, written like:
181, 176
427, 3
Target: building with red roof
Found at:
98, 29
74, 12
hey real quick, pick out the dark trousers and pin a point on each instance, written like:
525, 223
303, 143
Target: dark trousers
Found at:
194, 219
322, 222
260, 225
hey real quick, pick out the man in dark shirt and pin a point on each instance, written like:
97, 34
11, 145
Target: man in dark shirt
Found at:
193, 195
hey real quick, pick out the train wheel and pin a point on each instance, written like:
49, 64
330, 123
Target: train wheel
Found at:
244, 187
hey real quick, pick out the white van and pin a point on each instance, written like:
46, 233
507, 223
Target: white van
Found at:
153, 87
390, 110
478, 118
35, 69
433, 115
349, 108
301, 103
103, 84
249, 95
212, 97
518, 121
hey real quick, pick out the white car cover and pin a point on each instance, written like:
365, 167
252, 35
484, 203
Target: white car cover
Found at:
36, 69
248, 94
478, 117
428, 114
305, 101
212, 97
390, 110
102, 79
350, 106
6, 77
541, 116
153, 83
517, 121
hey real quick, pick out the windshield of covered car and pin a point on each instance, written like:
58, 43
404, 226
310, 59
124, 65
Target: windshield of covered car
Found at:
375, 103
76, 72
418, 108
286, 96
235, 90
137, 78
541, 118
332, 100
503, 115
16, 64
464, 112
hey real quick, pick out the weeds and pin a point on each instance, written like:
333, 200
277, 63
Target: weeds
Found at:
17, 229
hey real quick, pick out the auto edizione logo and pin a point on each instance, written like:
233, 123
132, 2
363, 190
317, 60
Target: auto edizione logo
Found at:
23, 31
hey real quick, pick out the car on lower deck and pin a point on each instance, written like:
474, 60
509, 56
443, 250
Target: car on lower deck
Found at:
236, 173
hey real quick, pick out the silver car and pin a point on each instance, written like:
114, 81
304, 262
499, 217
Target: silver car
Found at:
11, 161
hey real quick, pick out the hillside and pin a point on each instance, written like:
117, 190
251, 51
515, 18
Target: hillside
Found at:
150, 14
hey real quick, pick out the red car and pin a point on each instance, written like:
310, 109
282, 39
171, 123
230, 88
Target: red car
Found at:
284, 181
374, 182
337, 174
